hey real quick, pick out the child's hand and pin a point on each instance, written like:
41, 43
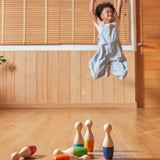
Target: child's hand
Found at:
118, 10
118, 13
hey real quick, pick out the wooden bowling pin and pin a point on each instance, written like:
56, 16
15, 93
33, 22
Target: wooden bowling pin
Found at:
108, 147
78, 139
24, 152
76, 151
70, 157
89, 138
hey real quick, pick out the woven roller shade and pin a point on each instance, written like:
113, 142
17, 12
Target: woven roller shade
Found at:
124, 32
13, 22
65, 21
53, 22
1, 25
35, 22
83, 25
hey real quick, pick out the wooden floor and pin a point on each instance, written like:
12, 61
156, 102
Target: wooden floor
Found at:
135, 133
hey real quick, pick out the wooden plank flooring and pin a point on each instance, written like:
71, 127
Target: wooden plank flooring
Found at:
135, 133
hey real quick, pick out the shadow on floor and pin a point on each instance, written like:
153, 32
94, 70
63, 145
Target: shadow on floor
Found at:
38, 156
98, 155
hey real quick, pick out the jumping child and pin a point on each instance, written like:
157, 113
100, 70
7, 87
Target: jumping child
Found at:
109, 54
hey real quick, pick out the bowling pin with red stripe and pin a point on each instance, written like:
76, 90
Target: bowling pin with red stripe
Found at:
24, 152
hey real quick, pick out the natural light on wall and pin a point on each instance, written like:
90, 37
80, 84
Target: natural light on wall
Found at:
56, 25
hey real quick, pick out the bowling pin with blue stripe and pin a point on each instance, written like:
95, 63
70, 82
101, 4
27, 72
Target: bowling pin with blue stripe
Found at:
78, 139
108, 148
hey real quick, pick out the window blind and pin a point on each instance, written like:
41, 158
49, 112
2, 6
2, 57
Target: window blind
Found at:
12, 21
53, 22
124, 32
1, 23
34, 21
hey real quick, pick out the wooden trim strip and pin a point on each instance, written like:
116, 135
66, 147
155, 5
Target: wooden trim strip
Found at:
72, 105
56, 48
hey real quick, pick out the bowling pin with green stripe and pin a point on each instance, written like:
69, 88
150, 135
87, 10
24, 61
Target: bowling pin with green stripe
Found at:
76, 151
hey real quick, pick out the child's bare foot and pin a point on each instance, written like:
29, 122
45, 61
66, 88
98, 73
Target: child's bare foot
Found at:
108, 68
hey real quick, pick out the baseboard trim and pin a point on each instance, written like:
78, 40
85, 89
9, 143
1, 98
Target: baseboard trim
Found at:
71, 105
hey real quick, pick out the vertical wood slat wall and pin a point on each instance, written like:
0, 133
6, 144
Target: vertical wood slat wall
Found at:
151, 53
53, 22
60, 77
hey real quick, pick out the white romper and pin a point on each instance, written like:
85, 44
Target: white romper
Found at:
109, 52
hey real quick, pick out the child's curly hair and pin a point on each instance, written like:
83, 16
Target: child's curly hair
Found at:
100, 8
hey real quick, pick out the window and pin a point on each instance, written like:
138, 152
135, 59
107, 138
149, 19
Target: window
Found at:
53, 22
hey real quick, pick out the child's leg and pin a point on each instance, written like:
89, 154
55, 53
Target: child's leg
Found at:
119, 69
98, 69
108, 68
98, 63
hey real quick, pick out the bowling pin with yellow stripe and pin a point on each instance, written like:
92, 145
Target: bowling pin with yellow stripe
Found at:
89, 138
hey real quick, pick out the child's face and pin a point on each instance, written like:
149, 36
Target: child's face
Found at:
107, 15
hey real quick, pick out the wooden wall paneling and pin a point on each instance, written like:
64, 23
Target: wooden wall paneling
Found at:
150, 20
42, 79
149, 12
2, 87
35, 22
151, 4
152, 93
96, 87
61, 77
151, 65
64, 77
4, 91
53, 22
108, 89
152, 56
66, 22
20, 77
129, 81
13, 22
118, 90
151, 29
152, 74
85, 78
31, 77
53, 77
9, 77
75, 74
152, 83
152, 102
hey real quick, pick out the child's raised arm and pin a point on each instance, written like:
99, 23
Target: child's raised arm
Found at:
118, 10
91, 10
